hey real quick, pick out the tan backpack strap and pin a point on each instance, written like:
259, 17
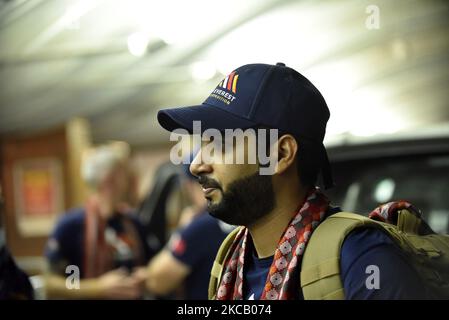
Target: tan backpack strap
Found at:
408, 222
217, 267
320, 269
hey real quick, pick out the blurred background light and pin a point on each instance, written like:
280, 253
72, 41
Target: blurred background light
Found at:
384, 190
137, 44
203, 70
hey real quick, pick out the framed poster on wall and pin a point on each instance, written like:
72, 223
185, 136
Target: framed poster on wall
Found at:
38, 194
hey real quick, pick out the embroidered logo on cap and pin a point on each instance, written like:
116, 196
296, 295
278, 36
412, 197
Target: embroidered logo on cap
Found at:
227, 85
230, 82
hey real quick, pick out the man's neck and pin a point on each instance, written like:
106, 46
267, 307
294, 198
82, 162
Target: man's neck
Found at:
267, 232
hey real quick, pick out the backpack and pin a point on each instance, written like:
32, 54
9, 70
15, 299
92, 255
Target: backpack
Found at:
320, 267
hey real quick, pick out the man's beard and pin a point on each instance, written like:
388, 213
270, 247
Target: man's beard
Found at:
246, 201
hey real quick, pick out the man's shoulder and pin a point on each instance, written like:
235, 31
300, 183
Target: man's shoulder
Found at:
362, 240
366, 250
367, 246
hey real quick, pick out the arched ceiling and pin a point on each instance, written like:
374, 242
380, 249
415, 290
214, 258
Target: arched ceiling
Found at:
116, 62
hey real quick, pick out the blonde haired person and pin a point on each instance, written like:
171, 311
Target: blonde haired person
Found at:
102, 240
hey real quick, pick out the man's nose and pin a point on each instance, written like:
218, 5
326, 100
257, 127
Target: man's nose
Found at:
198, 167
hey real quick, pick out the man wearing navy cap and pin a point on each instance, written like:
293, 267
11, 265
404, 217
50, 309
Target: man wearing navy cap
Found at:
280, 210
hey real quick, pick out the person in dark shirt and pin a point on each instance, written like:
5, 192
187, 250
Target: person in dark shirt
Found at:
14, 282
188, 247
94, 251
275, 119
66, 245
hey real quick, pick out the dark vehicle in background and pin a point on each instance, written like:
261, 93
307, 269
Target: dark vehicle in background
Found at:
412, 167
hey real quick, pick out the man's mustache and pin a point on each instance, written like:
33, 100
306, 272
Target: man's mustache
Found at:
207, 182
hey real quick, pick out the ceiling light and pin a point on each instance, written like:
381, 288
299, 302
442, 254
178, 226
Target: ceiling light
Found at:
137, 44
203, 70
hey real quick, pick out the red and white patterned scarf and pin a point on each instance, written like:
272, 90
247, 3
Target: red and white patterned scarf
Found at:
287, 257
388, 212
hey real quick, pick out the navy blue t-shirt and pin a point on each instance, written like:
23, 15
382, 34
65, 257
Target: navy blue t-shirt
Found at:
362, 248
66, 244
196, 246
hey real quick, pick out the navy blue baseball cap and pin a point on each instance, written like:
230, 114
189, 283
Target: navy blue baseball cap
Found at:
253, 95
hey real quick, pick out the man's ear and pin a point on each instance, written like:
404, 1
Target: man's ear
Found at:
287, 148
